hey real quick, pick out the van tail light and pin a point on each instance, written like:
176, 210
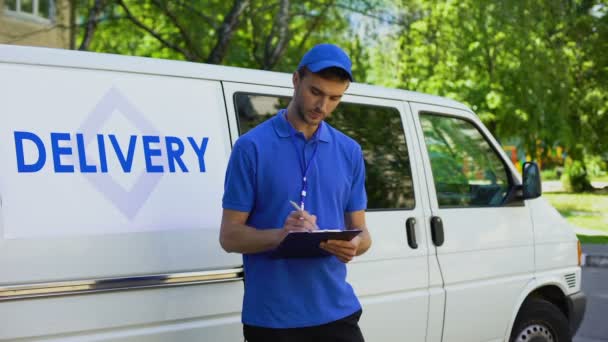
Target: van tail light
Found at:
580, 253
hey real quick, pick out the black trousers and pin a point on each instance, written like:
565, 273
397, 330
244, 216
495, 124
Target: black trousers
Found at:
342, 330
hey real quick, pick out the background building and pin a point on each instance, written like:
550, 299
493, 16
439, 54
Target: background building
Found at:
35, 22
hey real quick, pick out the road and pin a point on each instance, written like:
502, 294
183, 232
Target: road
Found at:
594, 327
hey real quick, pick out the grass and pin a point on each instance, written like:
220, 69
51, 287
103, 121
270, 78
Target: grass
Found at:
586, 210
597, 239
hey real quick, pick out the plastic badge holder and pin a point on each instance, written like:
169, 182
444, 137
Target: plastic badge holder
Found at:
306, 244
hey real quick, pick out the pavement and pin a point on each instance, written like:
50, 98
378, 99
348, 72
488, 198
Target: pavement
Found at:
595, 255
593, 327
595, 277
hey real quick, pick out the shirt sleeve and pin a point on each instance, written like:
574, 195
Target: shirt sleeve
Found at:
358, 196
240, 185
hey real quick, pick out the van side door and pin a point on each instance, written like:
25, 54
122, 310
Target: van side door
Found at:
391, 279
482, 233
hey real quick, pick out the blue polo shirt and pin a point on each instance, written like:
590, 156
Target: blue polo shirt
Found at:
263, 174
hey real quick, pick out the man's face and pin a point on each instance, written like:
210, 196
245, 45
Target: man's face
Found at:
316, 97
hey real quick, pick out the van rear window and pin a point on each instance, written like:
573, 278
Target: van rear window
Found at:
377, 129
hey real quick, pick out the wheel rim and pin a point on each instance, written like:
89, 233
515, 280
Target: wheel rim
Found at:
535, 333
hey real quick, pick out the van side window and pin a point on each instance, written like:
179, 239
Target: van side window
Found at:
378, 130
253, 109
466, 170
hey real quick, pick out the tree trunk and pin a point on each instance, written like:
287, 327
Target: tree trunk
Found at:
72, 28
280, 28
91, 26
226, 31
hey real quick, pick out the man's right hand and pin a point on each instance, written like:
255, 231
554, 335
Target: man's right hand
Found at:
299, 221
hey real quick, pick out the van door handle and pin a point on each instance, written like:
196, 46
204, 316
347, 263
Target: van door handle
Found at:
437, 230
410, 228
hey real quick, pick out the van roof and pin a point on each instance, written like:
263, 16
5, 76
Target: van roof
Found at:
153, 66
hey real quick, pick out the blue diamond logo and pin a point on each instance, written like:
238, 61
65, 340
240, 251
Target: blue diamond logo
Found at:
127, 201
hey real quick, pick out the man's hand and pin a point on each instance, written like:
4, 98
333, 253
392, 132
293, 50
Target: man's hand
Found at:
345, 251
299, 221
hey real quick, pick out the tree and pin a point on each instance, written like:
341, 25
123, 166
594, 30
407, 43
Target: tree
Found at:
248, 33
532, 70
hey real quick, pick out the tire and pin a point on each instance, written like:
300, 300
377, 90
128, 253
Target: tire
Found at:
540, 321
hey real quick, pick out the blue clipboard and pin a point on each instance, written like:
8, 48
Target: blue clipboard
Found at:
306, 244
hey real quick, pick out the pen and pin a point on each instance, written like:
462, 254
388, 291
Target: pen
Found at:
297, 207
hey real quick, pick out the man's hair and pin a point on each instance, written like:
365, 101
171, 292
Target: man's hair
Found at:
331, 73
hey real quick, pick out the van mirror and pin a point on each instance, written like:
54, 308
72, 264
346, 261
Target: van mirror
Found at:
531, 178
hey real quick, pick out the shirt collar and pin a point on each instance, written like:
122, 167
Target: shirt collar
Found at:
285, 130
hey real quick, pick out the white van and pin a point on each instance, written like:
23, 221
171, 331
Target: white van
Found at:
111, 178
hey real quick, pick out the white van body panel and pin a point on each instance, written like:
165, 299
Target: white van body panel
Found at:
152, 66
556, 242
492, 258
171, 314
44, 240
163, 225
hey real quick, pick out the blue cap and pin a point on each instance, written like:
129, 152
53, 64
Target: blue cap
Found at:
325, 56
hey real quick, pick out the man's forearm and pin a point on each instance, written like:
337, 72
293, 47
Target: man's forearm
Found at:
240, 238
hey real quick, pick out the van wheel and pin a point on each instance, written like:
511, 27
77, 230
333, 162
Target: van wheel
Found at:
540, 321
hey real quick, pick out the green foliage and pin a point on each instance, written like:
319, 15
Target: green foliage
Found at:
550, 174
246, 33
534, 71
593, 239
575, 177
596, 166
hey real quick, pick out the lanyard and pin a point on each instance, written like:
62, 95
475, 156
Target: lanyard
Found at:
304, 166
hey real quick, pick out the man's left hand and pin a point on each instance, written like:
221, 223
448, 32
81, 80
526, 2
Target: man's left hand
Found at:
345, 251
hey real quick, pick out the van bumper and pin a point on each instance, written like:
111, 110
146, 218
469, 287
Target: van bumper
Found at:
576, 309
